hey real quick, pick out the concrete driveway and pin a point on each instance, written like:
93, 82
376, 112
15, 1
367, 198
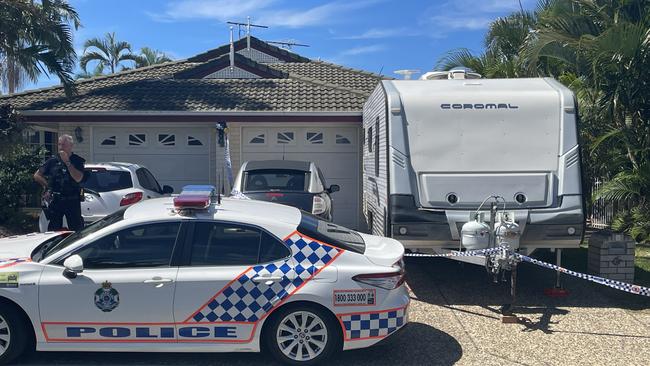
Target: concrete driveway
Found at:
455, 319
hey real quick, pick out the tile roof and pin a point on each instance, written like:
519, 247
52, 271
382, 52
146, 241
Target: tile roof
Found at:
309, 86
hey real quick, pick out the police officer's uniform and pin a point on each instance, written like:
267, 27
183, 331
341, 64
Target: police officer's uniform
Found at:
66, 195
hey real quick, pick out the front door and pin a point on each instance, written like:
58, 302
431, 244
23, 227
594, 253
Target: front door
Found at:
125, 293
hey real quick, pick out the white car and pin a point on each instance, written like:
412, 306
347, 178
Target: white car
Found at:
186, 274
110, 186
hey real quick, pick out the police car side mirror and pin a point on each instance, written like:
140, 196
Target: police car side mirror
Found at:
73, 266
167, 189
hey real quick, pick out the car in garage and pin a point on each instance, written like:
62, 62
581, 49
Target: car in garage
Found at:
110, 186
197, 273
300, 184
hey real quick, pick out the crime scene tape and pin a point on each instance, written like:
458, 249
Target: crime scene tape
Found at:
469, 253
623, 286
618, 285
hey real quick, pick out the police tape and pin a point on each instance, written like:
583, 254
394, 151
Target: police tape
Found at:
469, 253
618, 285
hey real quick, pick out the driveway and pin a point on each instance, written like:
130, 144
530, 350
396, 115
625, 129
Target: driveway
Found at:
455, 319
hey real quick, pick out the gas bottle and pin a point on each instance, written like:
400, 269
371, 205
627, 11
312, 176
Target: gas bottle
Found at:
475, 235
507, 234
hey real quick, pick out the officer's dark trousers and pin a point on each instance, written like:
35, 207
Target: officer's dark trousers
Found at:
71, 209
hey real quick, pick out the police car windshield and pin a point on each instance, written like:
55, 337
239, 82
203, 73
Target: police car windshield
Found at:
94, 227
330, 233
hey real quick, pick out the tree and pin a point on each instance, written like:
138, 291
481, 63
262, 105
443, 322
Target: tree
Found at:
36, 38
150, 57
109, 53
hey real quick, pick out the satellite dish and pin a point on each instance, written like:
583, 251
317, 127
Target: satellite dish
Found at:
406, 73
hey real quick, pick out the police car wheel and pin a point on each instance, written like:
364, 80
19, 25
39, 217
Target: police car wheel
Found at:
13, 334
302, 335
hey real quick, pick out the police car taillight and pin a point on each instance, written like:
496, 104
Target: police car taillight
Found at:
131, 198
387, 281
195, 197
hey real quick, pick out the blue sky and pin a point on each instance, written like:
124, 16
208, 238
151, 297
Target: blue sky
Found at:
373, 35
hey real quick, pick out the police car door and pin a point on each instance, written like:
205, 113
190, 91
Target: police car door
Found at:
124, 294
232, 275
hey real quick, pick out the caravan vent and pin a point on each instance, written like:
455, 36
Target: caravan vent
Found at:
399, 160
572, 159
459, 73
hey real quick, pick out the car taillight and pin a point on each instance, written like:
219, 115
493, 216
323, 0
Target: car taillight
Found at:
318, 206
131, 198
388, 281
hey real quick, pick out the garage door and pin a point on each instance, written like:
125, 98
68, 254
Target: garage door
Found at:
175, 156
334, 149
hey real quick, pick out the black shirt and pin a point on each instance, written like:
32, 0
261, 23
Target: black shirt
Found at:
58, 177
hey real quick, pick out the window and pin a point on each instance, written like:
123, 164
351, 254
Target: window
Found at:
377, 147
109, 141
46, 139
137, 139
223, 244
275, 180
149, 245
147, 180
315, 137
193, 141
102, 180
342, 140
259, 139
369, 136
167, 139
285, 137
330, 233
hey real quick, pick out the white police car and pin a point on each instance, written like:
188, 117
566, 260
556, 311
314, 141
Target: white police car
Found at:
184, 274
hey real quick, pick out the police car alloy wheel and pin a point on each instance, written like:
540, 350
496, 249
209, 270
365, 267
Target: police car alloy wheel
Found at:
302, 335
13, 336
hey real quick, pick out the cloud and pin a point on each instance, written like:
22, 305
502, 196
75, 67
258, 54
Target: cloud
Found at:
222, 10
362, 50
265, 12
460, 23
377, 33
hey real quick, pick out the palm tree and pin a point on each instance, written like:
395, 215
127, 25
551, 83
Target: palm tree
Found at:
148, 57
36, 38
109, 53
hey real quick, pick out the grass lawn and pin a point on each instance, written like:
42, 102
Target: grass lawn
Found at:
642, 263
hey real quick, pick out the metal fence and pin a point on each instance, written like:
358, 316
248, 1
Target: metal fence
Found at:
602, 212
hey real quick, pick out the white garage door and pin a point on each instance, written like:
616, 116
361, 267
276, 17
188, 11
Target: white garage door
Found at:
334, 149
175, 156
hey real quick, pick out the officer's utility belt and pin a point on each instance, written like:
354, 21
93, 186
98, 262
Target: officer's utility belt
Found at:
58, 196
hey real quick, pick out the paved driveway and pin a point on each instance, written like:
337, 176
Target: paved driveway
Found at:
455, 320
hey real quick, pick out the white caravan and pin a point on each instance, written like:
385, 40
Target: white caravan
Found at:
435, 149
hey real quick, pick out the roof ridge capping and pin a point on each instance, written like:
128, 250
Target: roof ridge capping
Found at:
241, 44
202, 70
94, 78
359, 71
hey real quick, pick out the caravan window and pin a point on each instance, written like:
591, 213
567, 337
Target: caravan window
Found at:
377, 147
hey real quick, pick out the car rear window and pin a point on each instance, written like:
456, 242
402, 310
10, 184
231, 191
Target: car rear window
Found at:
275, 180
331, 233
102, 180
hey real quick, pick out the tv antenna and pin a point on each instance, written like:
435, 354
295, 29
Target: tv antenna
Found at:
247, 26
287, 44
407, 73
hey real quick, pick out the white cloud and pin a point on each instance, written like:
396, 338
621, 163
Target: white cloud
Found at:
225, 10
459, 23
222, 10
378, 33
362, 50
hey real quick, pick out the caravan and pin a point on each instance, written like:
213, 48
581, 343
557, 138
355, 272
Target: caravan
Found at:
435, 149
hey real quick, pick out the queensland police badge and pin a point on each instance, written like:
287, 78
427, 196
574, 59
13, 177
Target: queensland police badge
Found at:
107, 298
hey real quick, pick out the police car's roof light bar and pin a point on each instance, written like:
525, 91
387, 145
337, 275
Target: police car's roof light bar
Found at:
195, 197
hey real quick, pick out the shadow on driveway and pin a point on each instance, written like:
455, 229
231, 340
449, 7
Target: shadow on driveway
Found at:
417, 344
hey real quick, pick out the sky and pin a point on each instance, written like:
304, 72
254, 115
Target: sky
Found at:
379, 36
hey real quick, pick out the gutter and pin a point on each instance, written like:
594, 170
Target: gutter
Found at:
192, 114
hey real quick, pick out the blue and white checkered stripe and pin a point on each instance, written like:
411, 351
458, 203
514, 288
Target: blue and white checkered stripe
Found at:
246, 301
623, 286
373, 324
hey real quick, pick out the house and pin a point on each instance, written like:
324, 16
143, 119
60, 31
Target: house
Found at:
276, 104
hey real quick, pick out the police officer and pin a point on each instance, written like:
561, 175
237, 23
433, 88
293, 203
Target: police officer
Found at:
60, 177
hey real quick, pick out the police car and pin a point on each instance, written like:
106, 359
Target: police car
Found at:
195, 273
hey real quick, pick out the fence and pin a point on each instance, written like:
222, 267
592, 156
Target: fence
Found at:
602, 212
